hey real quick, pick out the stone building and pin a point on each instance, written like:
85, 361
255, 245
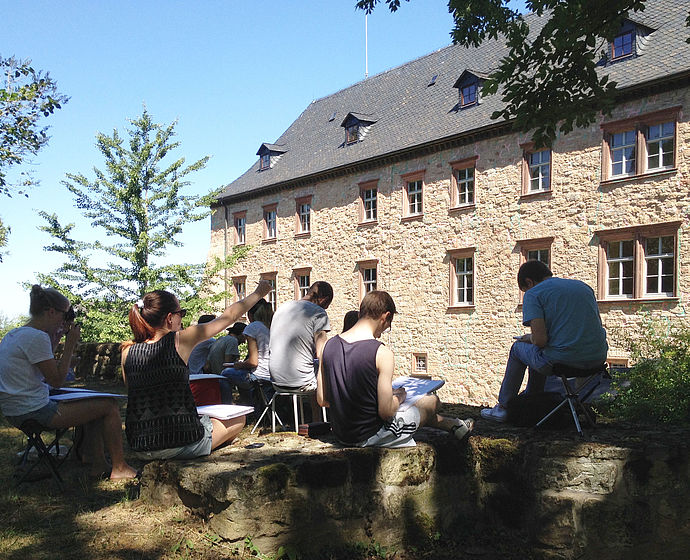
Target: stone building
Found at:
402, 182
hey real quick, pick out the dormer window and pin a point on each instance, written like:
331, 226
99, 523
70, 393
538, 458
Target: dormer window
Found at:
468, 94
629, 42
352, 133
622, 45
356, 126
269, 154
469, 87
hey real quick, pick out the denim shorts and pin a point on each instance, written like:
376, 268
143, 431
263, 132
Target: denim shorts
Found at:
43, 415
200, 448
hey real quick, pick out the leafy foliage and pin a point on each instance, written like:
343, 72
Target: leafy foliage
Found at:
549, 79
138, 208
657, 387
7, 324
25, 98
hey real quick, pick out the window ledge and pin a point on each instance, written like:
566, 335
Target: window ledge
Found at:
303, 235
240, 244
368, 223
270, 240
462, 208
661, 299
629, 178
458, 308
535, 194
412, 218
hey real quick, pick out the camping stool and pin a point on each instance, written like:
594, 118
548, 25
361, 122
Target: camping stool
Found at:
296, 395
33, 430
575, 397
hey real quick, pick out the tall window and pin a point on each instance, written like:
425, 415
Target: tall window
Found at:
638, 262
639, 145
270, 222
538, 167
462, 182
265, 161
369, 204
368, 277
271, 297
623, 147
462, 277
302, 278
413, 194
303, 215
240, 220
239, 285
620, 262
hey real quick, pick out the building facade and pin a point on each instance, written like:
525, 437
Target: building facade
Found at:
403, 183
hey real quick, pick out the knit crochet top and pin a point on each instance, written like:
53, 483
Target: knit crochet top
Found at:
161, 413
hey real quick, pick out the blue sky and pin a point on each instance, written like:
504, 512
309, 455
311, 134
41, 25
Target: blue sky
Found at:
233, 73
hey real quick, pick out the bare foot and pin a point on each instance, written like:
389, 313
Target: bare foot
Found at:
124, 473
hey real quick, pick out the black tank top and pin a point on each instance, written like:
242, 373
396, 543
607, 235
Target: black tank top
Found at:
161, 412
350, 379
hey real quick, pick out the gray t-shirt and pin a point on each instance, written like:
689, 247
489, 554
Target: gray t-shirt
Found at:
224, 346
292, 349
197, 359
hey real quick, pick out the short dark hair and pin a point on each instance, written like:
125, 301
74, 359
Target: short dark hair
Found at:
375, 304
237, 328
351, 317
205, 319
535, 271
320, 290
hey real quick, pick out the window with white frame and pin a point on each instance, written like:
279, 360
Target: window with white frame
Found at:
270, 222
420, 364
462, 187
539, 165
368, 277
240, 287
539, 255
462, 279
302, 282
240, 219
303, 215
368, 197
271, 297
414, 198
639, 145
638, 262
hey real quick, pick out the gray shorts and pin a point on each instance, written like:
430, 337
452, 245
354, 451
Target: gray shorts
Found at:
200, 448
43, 415
398, 432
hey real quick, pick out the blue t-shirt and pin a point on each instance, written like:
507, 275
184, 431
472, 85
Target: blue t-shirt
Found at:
571, 315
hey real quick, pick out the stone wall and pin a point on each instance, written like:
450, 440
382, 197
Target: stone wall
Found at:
98, 361
467, 346
622, 495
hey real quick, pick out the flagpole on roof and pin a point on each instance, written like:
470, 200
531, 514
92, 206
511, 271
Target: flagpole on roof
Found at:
366, 48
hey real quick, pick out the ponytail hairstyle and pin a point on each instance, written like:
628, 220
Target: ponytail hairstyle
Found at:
42, 299
149, 314
262, 311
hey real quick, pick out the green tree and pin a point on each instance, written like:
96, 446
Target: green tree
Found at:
136, 209
26, 97
549, 79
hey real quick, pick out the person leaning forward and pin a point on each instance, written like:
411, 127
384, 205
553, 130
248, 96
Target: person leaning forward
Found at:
566, 328
355, 382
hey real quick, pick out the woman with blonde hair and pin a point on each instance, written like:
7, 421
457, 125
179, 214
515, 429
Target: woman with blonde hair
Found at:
28, 369
162, 420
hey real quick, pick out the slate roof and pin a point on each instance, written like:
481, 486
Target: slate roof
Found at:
410, 112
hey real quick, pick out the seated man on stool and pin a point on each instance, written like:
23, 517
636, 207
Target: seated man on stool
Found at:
355, 381
563, 316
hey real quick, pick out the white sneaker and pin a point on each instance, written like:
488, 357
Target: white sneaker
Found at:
497, 413
463, 427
